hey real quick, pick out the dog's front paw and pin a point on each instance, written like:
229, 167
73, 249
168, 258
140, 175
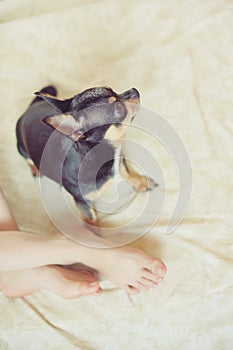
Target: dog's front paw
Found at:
142, 183
151, 184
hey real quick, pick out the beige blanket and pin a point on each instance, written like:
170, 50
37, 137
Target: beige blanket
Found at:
179, 56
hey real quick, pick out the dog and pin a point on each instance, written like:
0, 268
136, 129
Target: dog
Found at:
91, 127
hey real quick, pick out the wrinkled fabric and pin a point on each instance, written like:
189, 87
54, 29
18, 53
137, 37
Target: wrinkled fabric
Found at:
178, 54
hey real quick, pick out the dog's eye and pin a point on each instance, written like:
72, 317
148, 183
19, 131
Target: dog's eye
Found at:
88, 134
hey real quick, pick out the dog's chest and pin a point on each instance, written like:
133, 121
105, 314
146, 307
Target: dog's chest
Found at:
116, 166
94, 195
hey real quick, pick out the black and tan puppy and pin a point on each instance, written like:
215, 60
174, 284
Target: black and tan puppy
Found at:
91, 126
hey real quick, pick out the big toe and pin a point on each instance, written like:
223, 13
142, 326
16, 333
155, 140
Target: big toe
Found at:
159, 269
130, 289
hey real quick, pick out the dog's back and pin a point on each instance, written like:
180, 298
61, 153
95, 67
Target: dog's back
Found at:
32, 134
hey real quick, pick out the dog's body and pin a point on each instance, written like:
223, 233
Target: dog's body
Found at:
91, 127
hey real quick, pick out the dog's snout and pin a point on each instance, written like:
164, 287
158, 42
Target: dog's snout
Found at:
131, 94
134, 93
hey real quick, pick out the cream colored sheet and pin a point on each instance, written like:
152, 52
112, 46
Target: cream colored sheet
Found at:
179, 55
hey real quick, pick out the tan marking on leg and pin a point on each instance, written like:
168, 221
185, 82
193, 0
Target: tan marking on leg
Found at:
132, 106
94, 195
34, 170
141, 183
93, 222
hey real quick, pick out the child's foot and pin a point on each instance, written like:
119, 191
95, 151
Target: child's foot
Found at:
130, 269
64, 282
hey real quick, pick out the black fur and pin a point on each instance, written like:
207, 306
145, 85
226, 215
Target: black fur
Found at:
88, 115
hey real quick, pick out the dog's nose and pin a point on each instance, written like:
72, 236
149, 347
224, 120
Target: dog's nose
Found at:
134, 93
131, 94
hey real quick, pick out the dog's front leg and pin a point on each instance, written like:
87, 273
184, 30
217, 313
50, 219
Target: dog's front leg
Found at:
34, 170
88, 215
139, 182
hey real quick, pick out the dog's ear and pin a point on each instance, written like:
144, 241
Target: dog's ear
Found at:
66, 124
60, 104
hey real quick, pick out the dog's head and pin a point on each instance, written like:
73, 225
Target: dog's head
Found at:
94, 115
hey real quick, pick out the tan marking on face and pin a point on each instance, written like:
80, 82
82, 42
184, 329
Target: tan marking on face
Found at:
112, 99
132, 106
115, 135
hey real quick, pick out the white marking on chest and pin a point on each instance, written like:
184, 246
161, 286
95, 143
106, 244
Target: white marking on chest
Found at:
117, 157
92, 196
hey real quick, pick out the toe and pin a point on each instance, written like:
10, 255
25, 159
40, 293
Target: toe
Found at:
148, 275
131, 290
141, 286
159, 269
148, 283
161, 273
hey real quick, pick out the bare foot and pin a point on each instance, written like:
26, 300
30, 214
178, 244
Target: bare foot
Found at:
66, 283
130, 269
